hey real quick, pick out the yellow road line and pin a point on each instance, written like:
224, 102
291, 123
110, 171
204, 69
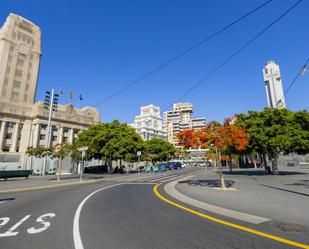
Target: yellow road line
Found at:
230, 224
17, 190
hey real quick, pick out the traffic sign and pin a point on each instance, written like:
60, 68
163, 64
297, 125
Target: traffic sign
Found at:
84, 148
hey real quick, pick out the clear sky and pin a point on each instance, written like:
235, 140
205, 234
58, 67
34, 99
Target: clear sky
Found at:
96, 47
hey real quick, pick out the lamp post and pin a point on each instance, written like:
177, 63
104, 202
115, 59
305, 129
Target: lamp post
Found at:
50, 104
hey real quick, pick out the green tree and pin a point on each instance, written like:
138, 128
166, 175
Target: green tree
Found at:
61, 151
111, 141
158, 149
276, 131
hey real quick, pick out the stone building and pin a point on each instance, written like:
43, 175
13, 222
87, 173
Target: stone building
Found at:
23, 122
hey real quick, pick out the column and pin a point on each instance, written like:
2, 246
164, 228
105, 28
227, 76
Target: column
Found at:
15, 138
60, 135
36, 134
2, 131
71, 135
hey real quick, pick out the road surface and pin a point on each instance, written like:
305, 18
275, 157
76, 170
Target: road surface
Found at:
119, 212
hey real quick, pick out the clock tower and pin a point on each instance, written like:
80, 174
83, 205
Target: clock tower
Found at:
20, 52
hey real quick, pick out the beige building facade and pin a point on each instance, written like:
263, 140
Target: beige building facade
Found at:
23, 122
180, 119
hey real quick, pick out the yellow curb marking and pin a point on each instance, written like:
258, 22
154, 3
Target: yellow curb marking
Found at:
229, 224
47, 187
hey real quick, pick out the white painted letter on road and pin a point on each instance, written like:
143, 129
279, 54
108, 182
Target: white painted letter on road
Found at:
42, 221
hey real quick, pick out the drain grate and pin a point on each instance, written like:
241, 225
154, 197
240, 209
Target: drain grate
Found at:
290, 227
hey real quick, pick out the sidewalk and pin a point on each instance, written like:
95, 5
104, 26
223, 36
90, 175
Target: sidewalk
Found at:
283, 198
15, 184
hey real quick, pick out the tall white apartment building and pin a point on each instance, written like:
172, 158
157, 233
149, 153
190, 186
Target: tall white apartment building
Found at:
273, 85
149, 123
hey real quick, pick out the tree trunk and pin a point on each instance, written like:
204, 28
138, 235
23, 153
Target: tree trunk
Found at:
267, 168
221, 175
274, 166
59, 169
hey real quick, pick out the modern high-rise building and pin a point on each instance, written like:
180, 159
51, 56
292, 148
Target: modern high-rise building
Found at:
273, 85
177, 120
198, 123
149, 123
23, 122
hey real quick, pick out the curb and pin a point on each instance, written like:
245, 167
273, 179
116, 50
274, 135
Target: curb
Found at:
171, 190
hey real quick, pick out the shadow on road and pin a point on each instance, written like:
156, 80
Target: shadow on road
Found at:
207, 183
260, 173
302, 183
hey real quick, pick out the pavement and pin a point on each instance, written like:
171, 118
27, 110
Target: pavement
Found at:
283, 199
114, 212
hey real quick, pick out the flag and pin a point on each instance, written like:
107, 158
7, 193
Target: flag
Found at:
71, 95
80, 97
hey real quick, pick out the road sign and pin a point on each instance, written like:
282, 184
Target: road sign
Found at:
85, 148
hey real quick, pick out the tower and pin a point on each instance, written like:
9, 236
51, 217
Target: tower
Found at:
273, 85
20, 52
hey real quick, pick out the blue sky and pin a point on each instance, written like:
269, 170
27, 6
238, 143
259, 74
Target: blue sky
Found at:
96, 47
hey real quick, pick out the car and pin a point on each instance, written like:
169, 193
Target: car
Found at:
148, 169
175, 165
162, 167
155, 168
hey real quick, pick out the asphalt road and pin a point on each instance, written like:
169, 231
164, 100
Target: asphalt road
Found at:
122, 216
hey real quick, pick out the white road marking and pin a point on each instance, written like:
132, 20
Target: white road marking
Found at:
78, 244
11, 232
42, 221
5, 220
2, 202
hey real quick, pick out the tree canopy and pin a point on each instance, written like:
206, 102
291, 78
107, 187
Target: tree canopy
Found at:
158, 149
275, 131
111, 141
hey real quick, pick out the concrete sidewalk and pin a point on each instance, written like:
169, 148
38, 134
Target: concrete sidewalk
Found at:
283, 199
16, 184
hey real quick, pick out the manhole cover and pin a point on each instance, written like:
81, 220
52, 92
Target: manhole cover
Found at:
290, 227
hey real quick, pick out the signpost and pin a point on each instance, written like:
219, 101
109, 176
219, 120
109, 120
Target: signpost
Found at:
83, 151
139, 153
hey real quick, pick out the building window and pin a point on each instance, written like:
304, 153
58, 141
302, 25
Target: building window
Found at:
65, 130
43, 126
10, 125
65, 139
54, 138
42, 137
27, 87
8, 136
6, 148
18, 73
26, 98
3, 93
16, 84
14, 95
6, 81
20, 62
28, 76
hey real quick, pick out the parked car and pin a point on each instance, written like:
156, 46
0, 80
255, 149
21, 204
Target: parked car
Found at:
148, 169
155, 168
175, 165
162, 167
